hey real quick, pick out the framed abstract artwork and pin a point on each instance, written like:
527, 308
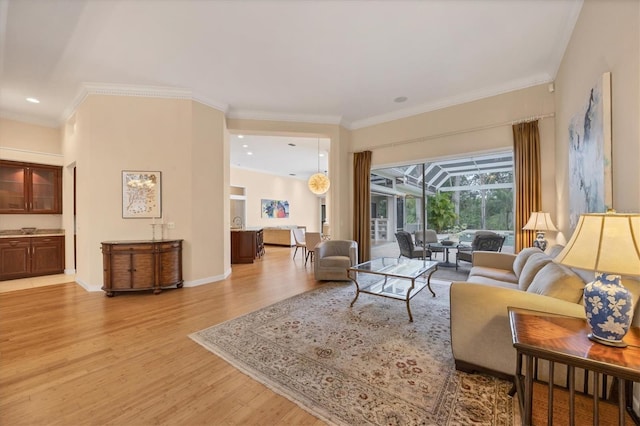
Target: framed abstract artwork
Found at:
274, 209
590, 184
141, 194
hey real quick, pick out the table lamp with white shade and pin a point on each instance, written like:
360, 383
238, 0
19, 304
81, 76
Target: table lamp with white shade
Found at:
609, 244
540, 222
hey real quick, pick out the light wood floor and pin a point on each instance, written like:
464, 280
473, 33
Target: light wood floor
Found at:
69, 357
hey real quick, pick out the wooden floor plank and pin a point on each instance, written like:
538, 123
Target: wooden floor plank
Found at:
72, 357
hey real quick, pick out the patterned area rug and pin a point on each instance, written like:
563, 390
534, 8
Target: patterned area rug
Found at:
362, 365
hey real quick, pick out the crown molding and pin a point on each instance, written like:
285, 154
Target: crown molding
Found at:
451, 101
87, 89
298, 118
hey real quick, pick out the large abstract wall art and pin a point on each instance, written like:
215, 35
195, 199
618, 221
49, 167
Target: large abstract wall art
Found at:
590, 185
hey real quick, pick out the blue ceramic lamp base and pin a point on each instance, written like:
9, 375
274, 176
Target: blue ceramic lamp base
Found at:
609, 309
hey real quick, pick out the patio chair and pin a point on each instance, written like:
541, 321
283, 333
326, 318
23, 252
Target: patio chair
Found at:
429, 237
482, 241
408, 249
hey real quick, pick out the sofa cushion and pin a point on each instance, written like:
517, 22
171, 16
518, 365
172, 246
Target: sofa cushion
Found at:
535, 262
557, 281
521, 259
335, 261
479, 279
494, 273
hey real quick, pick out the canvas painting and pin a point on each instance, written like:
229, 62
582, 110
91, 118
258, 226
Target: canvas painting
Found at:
590, 185
275, 209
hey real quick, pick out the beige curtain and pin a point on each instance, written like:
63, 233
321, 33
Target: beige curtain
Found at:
526, 156
362, 203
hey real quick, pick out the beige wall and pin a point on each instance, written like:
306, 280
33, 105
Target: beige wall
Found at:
338, 198
180, 138
304, 205
475, 127
614, 47
33, 144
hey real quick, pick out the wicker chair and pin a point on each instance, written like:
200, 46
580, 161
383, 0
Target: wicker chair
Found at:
482, 241
407, 249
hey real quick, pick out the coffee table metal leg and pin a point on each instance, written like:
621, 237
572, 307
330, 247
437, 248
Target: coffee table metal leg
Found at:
357, 291
429, 281
408, 299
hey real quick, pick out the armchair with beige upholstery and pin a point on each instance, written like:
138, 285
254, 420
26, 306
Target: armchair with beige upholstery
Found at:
333, 258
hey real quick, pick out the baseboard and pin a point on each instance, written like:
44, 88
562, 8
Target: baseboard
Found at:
207, 280
69, 271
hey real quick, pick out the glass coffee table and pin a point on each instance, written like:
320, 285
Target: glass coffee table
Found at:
395, 278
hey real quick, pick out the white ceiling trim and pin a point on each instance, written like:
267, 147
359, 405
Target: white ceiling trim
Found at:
292, 117
563, 41
452, 101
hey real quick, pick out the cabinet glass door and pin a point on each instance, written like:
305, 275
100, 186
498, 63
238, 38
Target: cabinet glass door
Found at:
12, 188
44, 190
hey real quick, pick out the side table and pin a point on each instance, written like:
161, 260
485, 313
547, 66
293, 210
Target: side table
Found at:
563, 339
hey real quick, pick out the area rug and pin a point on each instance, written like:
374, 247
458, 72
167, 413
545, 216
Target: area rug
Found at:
362, 365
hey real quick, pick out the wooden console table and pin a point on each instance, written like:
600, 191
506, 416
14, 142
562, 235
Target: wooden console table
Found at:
563, 339
141, 265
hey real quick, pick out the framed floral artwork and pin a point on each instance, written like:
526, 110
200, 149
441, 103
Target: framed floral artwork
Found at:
141, 194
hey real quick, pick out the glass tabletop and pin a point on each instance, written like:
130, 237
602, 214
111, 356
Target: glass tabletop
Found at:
396, 267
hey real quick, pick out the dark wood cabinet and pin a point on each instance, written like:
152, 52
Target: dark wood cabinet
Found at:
141, 265
23, 257
30, 188
246, 245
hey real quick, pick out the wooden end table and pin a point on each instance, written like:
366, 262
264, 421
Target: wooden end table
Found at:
563, 339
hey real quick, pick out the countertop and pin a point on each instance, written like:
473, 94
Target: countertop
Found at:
14, 233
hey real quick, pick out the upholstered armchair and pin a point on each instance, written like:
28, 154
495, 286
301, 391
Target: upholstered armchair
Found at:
333, 258
408, 249
482, 241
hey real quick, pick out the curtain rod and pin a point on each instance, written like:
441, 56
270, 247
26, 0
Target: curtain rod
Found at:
460, 132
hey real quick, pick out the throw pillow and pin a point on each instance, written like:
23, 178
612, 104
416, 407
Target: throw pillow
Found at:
557, 281
535, 262
521, 259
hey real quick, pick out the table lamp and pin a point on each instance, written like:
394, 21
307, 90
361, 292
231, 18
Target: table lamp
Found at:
609, 244
540, 222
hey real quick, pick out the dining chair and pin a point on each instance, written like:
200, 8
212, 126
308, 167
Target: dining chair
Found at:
312, 239
299, 237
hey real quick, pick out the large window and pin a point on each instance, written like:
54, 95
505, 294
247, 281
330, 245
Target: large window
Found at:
456, 196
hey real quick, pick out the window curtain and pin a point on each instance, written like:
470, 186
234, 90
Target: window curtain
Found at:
526, 157
362, 203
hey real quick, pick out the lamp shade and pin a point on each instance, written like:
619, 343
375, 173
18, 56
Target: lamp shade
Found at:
319, 183
605, 242
540, 221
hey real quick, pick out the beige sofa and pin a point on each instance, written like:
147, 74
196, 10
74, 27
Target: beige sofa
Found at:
480, 332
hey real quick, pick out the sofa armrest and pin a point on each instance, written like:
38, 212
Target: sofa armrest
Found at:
494, 259
480, 331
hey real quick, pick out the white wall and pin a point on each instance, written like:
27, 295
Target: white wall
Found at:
304, 206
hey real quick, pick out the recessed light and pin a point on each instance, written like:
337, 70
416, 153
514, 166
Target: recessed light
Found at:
33, 100
240, 136
249, 153
400, 99
245, 146
321, 155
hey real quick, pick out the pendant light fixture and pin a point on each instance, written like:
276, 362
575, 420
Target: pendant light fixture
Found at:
319, 183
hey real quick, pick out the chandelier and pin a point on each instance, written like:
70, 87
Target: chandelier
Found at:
319, 182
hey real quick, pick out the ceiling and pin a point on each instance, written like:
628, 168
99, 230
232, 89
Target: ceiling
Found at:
339, 62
